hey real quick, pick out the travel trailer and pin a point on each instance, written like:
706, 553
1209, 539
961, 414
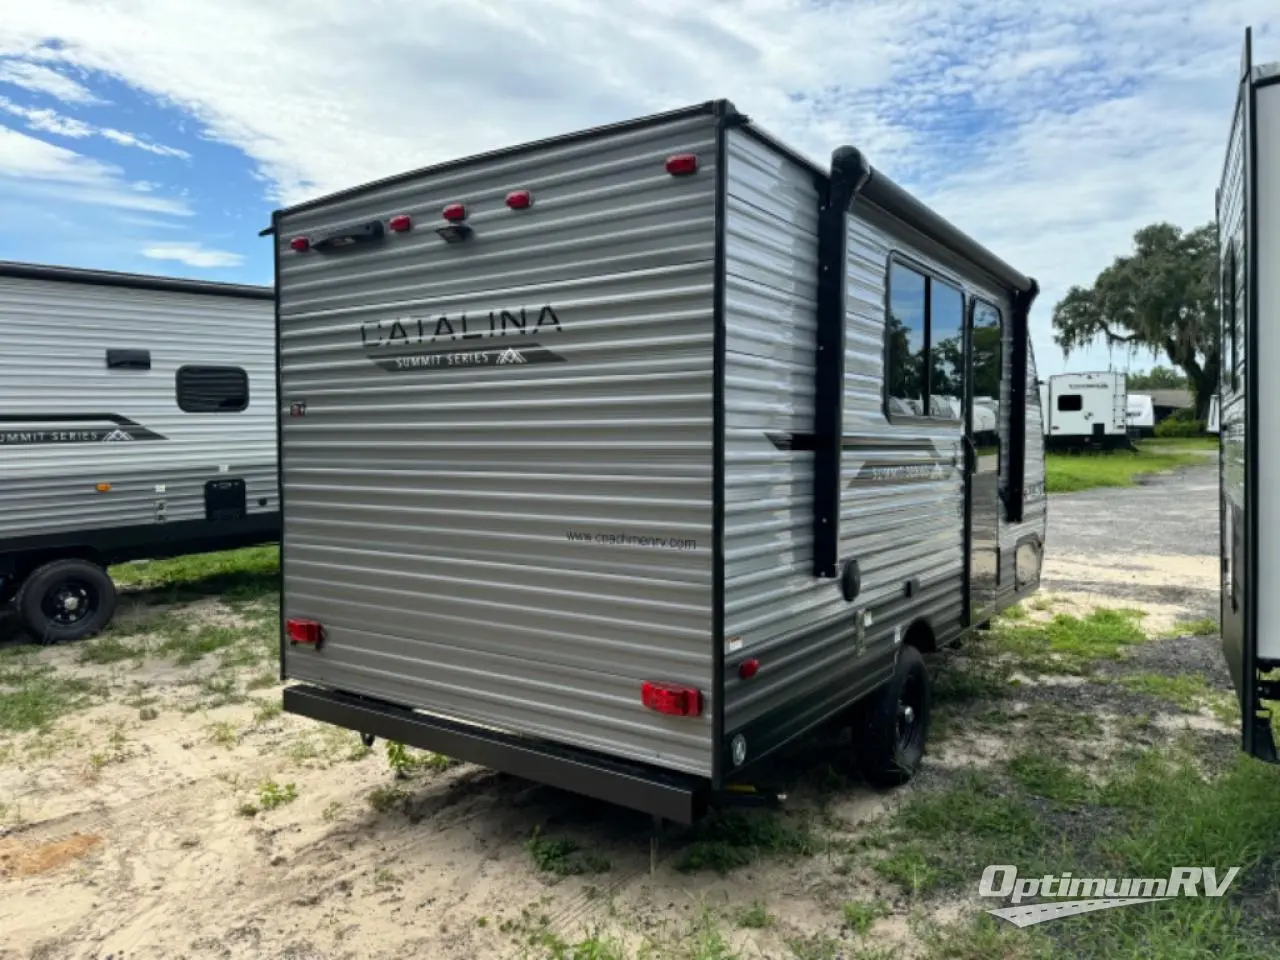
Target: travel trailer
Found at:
1248, 218
618, 461
137, 420
1140, 415
1086, 410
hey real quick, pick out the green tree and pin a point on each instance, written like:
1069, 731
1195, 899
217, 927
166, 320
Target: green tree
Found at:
1157, 378
1162, 297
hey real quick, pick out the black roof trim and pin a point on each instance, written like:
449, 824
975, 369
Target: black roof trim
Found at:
133, 281
711, 108
882, 192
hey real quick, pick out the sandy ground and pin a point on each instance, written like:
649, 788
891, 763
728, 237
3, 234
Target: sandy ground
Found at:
136, 829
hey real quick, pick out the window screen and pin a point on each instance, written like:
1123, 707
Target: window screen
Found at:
905, 354
212, 389
1070, 403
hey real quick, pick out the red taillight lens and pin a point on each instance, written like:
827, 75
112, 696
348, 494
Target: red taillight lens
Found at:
454, 213
682, 164
748, 668
519, 199
304, 631
301, 244
400, 224
671, 700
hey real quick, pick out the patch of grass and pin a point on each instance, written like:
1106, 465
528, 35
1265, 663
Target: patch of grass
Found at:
1065, 473
387, 798
1049, 778
272, 794
860, 915
725, 841
33, 696
756, 917
1204, 627
108, 648
964, 680
1069, 644
563, 857
384, 879
985, 938
247, 809
246, 574
147, 714
1187, 690
331, 811
1014, 613
223, 734
818, 946
260, 681
266, 712
187, 644
405, 760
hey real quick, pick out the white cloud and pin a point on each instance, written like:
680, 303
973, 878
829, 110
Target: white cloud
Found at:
50, 121
1050, 133
192, 254
33, 168
41, 79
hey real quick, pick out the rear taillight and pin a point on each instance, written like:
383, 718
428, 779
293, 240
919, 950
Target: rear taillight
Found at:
672, 700
304, 631
400, 224
519, 199
682, 164
301, 244
454, 213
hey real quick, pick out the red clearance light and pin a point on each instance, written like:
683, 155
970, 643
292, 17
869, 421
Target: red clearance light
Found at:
748, 668
682, 164
454, 213
304, 631
671, 700
519, 199
399, 224
301, 244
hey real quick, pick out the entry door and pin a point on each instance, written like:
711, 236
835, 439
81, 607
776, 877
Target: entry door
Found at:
983, 418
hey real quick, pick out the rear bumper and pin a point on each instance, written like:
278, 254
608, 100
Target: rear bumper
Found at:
663, 793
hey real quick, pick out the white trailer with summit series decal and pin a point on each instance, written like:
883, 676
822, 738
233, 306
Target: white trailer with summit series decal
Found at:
620, 460
137, 420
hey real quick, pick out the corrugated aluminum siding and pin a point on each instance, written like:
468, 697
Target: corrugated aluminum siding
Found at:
801, 627
54, 337
430, 511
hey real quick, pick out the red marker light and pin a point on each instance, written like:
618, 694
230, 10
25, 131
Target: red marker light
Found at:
682, 164
304, 631
301, 244
671, 700
401, 223
454, 213
748, 668
519, 200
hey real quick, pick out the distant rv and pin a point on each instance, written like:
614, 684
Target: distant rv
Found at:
1085, 410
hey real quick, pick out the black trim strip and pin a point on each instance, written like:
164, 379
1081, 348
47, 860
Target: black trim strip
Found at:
712, 107
146, 541
131, 281
726, 116
673, 796
849, 172
1019, 335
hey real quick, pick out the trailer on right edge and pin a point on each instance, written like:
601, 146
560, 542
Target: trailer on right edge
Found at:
1248, 219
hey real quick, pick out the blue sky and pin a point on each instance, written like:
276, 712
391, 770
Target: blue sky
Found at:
157, 135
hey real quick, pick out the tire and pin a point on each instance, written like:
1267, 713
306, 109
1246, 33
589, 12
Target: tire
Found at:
889, 752
66, 600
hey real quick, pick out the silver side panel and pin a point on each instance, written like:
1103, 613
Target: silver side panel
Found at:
69, 423
902, 507
485, 535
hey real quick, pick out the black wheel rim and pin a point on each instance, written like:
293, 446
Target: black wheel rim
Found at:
69, 602
910, 721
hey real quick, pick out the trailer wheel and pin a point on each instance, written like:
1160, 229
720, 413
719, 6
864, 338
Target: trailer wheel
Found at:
893, 723
66, 600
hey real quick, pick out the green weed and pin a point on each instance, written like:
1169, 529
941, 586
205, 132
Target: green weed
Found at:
563, 857
860, 915
756, 917
272, 794
725, 841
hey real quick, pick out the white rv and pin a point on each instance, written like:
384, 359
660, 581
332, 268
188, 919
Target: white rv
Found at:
137, 420
620, 460
1086, 410
1248, 218
1141, 414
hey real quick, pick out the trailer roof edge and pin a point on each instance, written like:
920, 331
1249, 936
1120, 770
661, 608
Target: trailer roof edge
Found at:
132, 281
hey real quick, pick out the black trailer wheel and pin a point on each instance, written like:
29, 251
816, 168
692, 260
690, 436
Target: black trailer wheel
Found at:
66, 600
891, 726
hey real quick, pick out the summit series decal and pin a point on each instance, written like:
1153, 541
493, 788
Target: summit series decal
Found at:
462, 340
20, 430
